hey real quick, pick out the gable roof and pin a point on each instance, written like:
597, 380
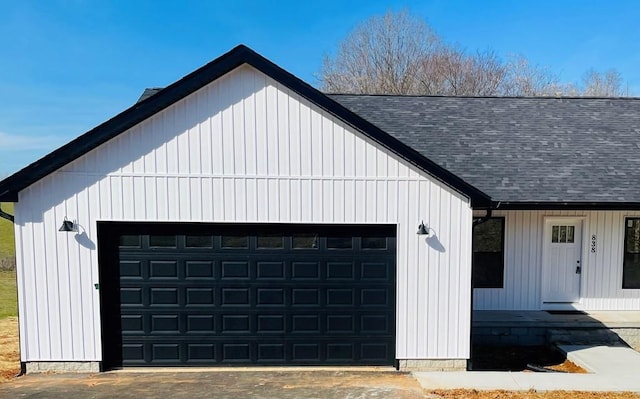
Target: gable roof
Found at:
155, 101
522, 152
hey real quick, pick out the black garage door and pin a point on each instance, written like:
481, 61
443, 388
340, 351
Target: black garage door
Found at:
201, 294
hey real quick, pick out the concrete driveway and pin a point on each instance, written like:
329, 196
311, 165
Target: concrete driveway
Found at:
227, 384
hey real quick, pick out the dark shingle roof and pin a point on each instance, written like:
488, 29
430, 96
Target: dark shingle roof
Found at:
520, 149
148, 92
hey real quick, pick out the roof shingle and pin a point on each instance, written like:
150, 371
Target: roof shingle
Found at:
519, 149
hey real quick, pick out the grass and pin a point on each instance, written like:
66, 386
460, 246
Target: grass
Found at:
8, 294
7, 243
8, 291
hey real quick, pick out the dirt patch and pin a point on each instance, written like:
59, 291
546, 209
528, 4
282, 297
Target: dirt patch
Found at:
9, 349
517, 358
474, 394
221, 385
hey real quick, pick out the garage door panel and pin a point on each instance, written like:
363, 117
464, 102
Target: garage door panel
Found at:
305, 271
131, 269
265, 351
199, 269
270, 270
270, 324
196, 297
198, 324
281, 294
234, 270
200, 353
163, 269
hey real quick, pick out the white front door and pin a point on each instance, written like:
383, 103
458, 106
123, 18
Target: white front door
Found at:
562, 263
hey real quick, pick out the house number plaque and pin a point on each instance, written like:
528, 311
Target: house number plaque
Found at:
593, 243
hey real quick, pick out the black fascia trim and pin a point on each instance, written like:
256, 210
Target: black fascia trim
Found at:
173, 93
540, 205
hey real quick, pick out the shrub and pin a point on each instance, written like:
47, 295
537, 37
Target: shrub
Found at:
8, 263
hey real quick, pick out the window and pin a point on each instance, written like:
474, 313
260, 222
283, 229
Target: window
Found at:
235, 242
631, 266
562, 234
339, 243
162, 241
198, 241
488, 253
270, 241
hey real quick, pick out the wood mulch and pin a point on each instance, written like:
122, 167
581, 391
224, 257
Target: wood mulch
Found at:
474, 394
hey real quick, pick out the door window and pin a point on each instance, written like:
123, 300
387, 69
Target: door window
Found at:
563, 234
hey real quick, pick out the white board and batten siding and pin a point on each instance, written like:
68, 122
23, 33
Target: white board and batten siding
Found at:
601, 278
241, 149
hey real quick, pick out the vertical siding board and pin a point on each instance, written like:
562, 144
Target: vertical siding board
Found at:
295, 200
328, 148
293, 126
139, 197
273, 195
217, 144
316, 143
349, 155
172, 144
272, 129
305, 201
306, 146
406, 308
204, 131
316, 200
226, 125
338, 150
22, 271
326, 188
283, 134
443, 305
148, 193
237, 87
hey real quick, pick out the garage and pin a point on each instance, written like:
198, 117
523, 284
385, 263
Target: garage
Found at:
242, 294
241, 217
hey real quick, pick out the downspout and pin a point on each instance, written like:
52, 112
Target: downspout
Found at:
5, 215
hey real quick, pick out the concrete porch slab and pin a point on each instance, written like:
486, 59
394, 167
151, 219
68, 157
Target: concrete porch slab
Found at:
508, 318
605, 360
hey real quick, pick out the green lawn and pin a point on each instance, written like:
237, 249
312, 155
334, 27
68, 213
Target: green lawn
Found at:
8, 294
7, 246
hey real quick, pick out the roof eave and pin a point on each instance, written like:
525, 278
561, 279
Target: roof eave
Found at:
563, 205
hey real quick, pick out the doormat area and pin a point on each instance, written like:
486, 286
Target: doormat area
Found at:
565, 312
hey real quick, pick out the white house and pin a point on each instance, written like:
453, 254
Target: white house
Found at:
240, 216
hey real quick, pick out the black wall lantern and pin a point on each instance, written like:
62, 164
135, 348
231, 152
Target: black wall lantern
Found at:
422, 229
67, 226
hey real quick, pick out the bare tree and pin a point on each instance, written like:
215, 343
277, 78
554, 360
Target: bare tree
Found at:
526, 80
450, 71
381, 55
400, 54
602, 84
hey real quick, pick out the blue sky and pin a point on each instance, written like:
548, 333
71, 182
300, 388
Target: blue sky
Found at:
69, 65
